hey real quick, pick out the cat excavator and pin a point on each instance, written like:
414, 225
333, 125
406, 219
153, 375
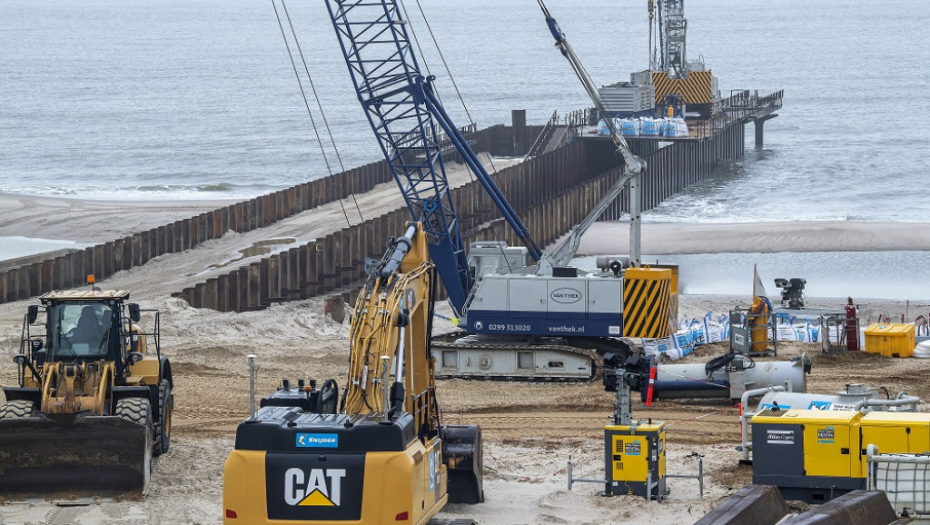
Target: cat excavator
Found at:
385, 456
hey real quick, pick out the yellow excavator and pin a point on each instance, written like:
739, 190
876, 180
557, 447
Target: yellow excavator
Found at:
94, 399
385, 456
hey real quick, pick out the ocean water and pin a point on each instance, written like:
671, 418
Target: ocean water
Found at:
878, 275
134, 98
15, 247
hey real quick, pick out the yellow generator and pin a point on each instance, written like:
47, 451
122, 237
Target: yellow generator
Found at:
815, 456
635, 456
634, 450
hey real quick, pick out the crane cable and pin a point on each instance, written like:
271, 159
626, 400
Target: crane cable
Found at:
320, 105
448, 70
307, 104
455, 86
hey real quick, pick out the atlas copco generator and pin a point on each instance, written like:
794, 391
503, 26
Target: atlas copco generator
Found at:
816, 456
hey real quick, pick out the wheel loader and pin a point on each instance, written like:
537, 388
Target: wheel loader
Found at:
382, 455
94, 400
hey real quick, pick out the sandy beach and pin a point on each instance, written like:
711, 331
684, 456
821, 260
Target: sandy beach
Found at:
93, 221
762, 237
96, 221
531, 430
89, 220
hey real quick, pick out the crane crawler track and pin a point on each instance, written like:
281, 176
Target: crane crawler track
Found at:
502, 364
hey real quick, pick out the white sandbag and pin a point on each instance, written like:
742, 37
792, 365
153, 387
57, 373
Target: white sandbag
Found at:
630, 127
650, 127
922, 350
683, 340
786, 333
659, 347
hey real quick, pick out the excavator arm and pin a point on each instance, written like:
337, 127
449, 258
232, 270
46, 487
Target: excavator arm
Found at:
390, 367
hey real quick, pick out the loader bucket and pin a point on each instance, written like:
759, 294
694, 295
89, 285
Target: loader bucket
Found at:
73, 456
463, 456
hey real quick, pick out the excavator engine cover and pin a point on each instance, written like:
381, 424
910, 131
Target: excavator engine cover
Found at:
462, 453
74, 455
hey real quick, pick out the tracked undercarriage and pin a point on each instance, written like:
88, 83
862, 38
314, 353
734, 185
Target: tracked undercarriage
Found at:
519, 358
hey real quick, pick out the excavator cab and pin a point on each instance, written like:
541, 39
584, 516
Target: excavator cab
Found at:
86, 376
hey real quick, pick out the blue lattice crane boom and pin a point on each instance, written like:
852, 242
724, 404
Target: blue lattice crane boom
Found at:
404, 112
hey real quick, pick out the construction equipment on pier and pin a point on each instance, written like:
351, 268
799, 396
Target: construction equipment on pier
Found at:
673, 74
94, 399
385, 456
528, 315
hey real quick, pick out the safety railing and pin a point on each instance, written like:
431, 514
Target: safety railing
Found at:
539, 146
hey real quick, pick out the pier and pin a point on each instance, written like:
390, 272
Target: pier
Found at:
552, 190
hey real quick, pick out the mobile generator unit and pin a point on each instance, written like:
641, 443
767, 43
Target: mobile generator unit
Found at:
815, 456
634, 450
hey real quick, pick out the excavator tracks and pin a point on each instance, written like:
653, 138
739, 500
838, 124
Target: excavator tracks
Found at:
462, 356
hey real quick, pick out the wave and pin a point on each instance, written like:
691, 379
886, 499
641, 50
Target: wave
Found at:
218, 190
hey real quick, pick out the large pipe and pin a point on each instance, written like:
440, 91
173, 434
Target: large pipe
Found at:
727, 381
901, 400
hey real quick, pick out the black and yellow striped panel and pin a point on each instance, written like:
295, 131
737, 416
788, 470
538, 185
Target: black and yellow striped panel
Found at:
696, 89
646, 295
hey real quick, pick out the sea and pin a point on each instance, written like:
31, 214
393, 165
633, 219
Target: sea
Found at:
138, 99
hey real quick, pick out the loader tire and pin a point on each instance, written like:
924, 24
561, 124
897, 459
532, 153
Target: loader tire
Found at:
136, 410
18, 409
166, 406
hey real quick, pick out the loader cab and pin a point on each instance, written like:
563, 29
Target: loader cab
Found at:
87, 326
83, 331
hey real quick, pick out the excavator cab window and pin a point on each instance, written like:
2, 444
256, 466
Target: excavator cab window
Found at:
80, 331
